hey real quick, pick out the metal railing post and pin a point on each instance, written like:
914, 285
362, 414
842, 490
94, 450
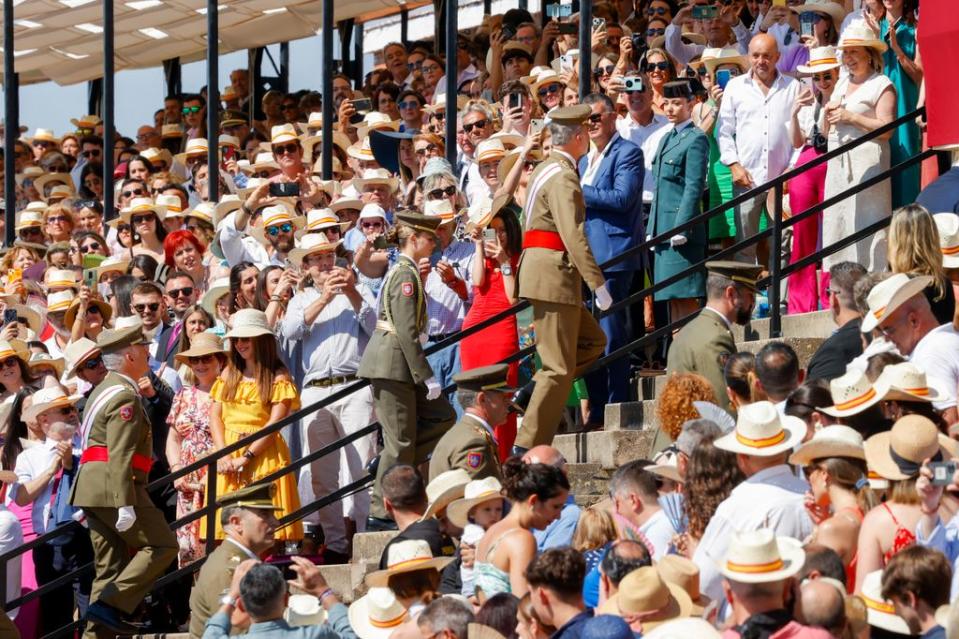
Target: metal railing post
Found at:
585, 47
452, 10
327, 150
108, 122
211, 498
11, 125
213, 98
775, 263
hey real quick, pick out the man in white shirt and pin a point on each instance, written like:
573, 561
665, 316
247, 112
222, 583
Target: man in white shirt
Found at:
714, 28
260, 231
334, 319
477, 125
772, 496
635, 499
754, 137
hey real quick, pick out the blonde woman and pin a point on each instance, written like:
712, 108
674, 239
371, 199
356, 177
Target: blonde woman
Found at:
914, 250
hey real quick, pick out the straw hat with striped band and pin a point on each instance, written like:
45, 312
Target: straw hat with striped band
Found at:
283, 133
510, 140
477, 492
29, 219
263, 161
762, 432
880, 612
908, 383
106, 312
344, 203
321, 219
889, 294
948, 225
172, 131
853, 393
375, 121
899, 453
445, 488
60, 192
820, 59
830, 8
406, 556
42, 360
304, 610
831, 441
143, 205
361, 150
728, 55
47, 399
490, 150
859, 34
172, 205
377, 614
15, 348
35, 207
759, 556
442, 209
276, 214
155, 155
86, 121
60, 278
510, 159
195, 147
310, 244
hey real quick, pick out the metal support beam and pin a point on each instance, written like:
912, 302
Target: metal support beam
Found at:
345, 29
439, 26
95, 96
327, 35
358, 55
107, 113
172, 73
213, 97
487, 7
10, 134
404, 24
452, 73
585, 46
285, 67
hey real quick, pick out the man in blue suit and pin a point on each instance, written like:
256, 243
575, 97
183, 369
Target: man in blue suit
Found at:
612, 179
942, 195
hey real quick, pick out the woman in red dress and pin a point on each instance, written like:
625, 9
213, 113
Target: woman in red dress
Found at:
494, 287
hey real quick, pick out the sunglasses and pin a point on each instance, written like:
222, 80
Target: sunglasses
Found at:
262, 174
135, 192
289, 149
84, 131
692, 73
652, 33
657, 66
191, 109
141, 308
479, 124
273, 231
140, 219
606, 70
89, 248
824, 77
596, 118
123, 228
33, 230
430, 68
56, 219
372, 225
10, 362
186, 291
652, 11
429, 148
93, 310
90, 364
91, 153
550, 88
209, 358
439, 194
409, 104
43, 143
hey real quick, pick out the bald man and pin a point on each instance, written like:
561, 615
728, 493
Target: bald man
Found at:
560, 532
822, 605
754, 137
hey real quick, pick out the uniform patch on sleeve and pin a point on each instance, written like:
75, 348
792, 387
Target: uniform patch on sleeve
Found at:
408, 289
126, 413
474, 460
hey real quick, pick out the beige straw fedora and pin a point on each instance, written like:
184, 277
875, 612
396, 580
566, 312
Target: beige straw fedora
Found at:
445, 489
406, 556
898, 453
831, 441
909, 383
676, 569
762, 432
889, 294
853, 393
820, 59
759, 556
310, 244
304, 610
476, 492
880, 612
249, 322
948, 225
644, 591
376, 614
201, 344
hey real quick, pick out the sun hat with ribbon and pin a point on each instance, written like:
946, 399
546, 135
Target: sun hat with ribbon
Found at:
762, 432
728, 55
830, 8
282, 133
310, 244
477, 492
35, 207
345, 203
676, 569
442, 209
143, 205
276, 214
195, 147
14, 348
509, 139
880, 612
219, 288
321, 219
908, 383
60, 192
59, 301
859, 34
49, 398
304, 610
249, 322
155, 155
172, 205
889, 294
948, 225
377, 614
645, 597
820, 58
41, 360
759, 556
899, 453
29, 219
201, 344
831, 441
361, 150
853, 393
106, 311
78, 352
60, 278
375, 176
490, 150
406, 556
375, 121
445, 488
545, 77
43, 135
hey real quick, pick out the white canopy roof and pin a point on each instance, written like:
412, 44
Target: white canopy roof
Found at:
62, 40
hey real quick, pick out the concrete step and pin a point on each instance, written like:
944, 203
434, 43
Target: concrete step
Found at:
587, 479
368, 546
587, 501
609, 449
816, 324
347, 580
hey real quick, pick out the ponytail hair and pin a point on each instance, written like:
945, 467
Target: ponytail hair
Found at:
522, 480
850, 474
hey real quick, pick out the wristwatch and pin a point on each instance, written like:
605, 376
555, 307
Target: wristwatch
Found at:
506, 269
227, 600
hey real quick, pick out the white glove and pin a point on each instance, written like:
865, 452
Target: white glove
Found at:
649, 237
603, 299
126, 518
433, 389
677, 240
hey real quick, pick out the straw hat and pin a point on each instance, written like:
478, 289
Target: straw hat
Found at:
106, 311
889, 294
442, 209
445, 488
476, 492
78, 352
172, 205
728, 55
898, 453
490, 150
948, 225
48, 398
60, 192
276, 214
201, 344
86, 121
29, 219
644, 591
15, 348
154, 155
759, 556
321, 219
142, 205
219, 288
406, 556
544, 77
172, 131
377, 614
375, 121
830, 8
510, 159
310, 244
214, 214
39, 360
47, 178
684, 629
510, 140
762, 432
831, 441
24, 312
43, 135
262, 161
820, 58
283, 133
338, 172
907, 382
249, 322
59, 301
304, 610
853, 393
676, 569
880, 612
194, 147
346, 203
858, 34
35, 207
361, 150
482, 631
375, 176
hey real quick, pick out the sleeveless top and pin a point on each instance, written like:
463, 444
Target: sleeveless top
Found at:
903, 539
490, 579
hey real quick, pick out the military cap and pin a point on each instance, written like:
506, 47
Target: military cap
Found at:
232, 118
569, 116
112, 340
256, 496
418, 221
678, 89
739, 272
485, 378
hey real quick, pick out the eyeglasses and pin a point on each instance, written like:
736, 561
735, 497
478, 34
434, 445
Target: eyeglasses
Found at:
133, 193
142, 308
413, 66
430, 68
203, 359
91, 153
409, 104
824, 77
549, 88
186, 291
290, 148
657, 66
273, 231
372, 225
596, 118
57, 219
439, 194
191, 109
95, 362
91, 247
10, 362
140, 219
652, 11
123, 228
479, 124
652, 33
93, 310
605, 70
692, 73
422, 151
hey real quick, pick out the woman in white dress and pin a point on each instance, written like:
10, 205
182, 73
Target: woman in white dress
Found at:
862, 101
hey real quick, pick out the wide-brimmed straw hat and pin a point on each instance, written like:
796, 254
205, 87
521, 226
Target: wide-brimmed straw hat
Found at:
15, 348
227, 204
142, 205
820, 58
262, 161
727, 55
43, 135
39, 360
853, 393
172, 205
889, 294
490, 150
948, 225
47, 178
831, 441
859, 34
510, 159
310, 244
86, 121
219, 288
676, 569
282, 133
78, 352
406, 556
880, 612
899, 453
29, 219
476, 492
275, 214
835, 11
688, 628
201, 344
908, 383
445, 488
48, 398
106, 312
361, 150
154, 154
194, 147
759, 556
60, 301
377, 614
346, 203
24, 312
322, 219
249, 322
762, 432
665, 464
304, 610
375, 121
644, 591
375, 176
442, 209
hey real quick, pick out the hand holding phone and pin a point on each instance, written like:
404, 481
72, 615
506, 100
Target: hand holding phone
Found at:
942, 472
284, 189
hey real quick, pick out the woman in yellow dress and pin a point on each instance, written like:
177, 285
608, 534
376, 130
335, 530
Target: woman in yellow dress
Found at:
253, 372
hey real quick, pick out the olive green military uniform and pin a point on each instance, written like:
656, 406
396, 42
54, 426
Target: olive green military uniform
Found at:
568, 337
396, 366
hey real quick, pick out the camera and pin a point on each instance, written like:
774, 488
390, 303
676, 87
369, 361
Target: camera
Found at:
942, 472
599, 23
819, 141
633, 84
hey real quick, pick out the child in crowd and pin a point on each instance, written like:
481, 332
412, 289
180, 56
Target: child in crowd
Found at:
480, 508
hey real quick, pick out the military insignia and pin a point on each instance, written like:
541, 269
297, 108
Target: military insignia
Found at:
126, 413
474, 460
408, 289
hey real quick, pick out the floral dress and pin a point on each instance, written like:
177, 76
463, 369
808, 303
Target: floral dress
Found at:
190, 417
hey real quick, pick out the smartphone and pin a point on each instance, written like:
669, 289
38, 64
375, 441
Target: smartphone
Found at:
723, 77
567, 28
514, 100
362, 106
599, 24
489, 235
707, 11
536, 125
9, 316
284, 189
227, 153
90, 277
507, 33
380, 242
942, 472
806, 22
435, 257
559, 10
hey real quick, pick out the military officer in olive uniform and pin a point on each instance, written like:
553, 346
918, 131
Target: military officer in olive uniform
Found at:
556, 259
704, 344
248, 516
680, 166
408, 400
485, 396
110, 486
